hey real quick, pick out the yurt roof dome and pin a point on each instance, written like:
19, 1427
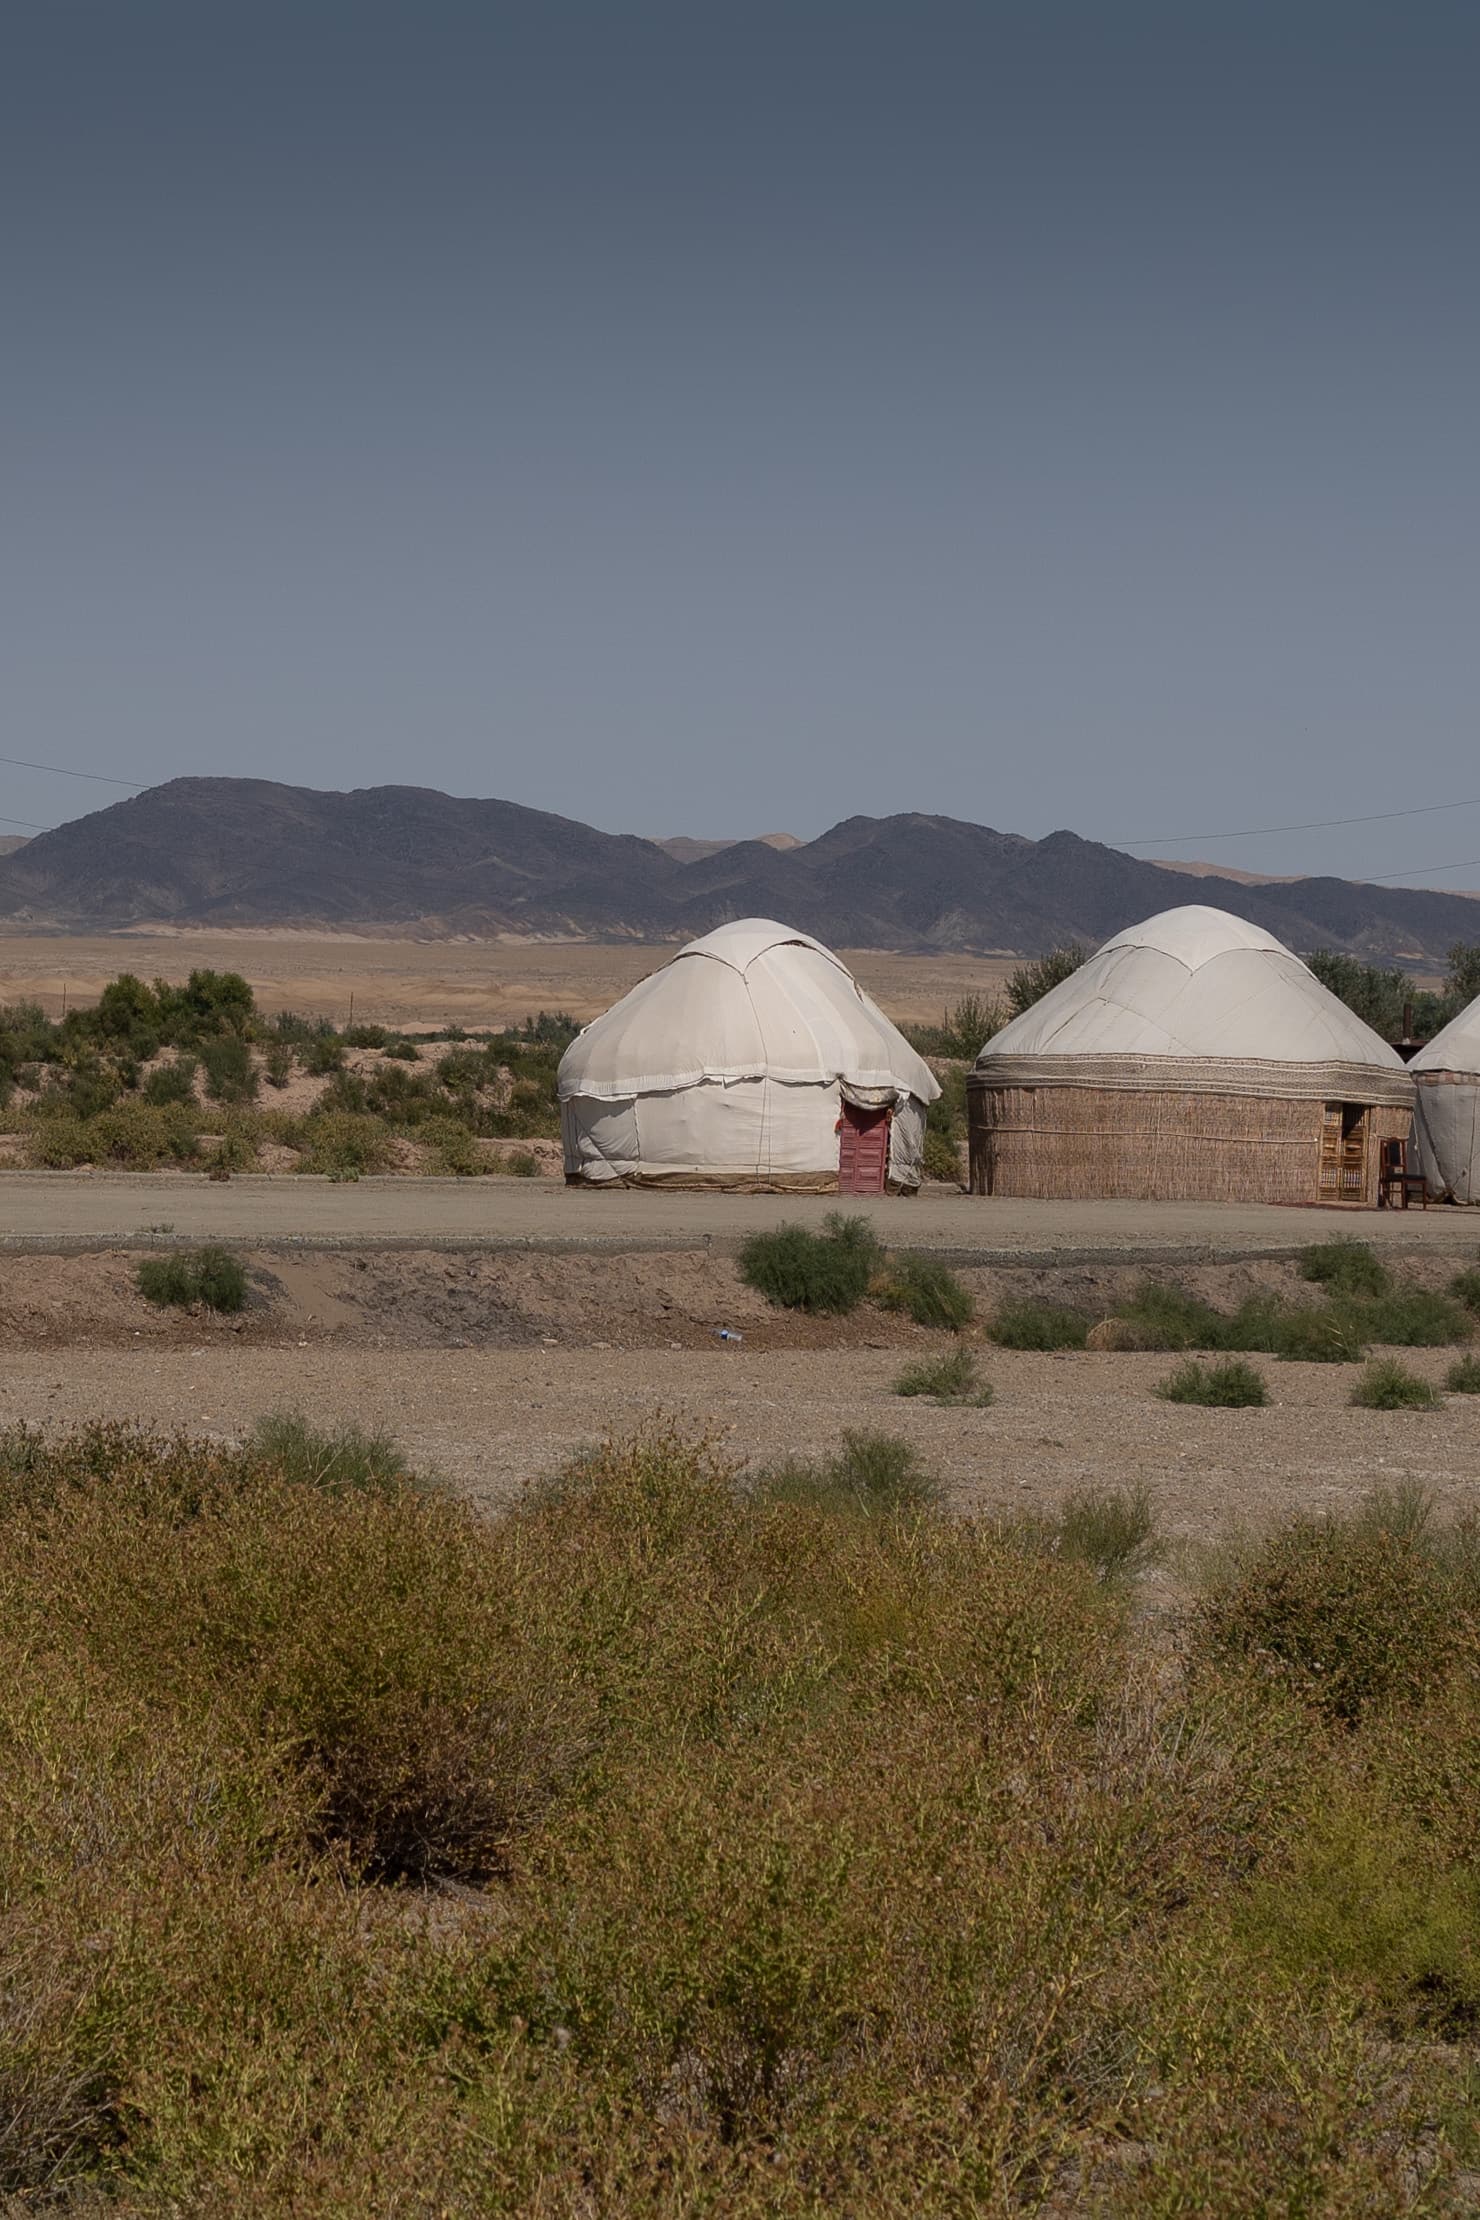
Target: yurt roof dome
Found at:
751, 1000
1457, 1047
1196, 998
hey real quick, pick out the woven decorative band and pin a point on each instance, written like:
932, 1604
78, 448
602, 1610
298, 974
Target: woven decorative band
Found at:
1200, 1075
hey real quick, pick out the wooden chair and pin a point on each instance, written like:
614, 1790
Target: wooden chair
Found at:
1397, 1186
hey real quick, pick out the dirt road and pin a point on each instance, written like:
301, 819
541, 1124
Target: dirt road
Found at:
45, 1210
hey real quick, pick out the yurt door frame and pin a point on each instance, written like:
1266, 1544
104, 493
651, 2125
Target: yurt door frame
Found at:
1344, 1153
863, 1150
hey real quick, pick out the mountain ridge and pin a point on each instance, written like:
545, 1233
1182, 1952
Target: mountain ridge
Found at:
255, 852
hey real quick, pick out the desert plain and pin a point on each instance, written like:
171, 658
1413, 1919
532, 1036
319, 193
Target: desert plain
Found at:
497, 1327
360, 979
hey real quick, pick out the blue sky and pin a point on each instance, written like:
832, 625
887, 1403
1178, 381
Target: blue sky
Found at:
727, 416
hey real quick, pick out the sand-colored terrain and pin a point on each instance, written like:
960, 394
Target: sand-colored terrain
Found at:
426, 984
493, 1367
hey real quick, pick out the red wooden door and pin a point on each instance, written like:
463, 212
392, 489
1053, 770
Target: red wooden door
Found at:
863, 1150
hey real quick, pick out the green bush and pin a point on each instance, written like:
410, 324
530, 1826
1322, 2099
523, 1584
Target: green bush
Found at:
344, 1460
950, 1379
343, 1145
365, 1036
137, 1135
1413, 1318
1230, 1385
1345, 1267
798, 1270
518, 1164
1463, 1376
230, 1073
1026, 1325
1464, 1288
209, 1276
927, 1291
1113, 1530
941, 1157
1165, 1318
321, 1054
451, 1149
873, 1473
963, 1031
406, 1051
59, 1144
1387, 1385
1302, 1333
171, 1082
277, 1064
239, 1143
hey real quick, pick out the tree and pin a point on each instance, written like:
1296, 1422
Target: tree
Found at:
1463, 982
1032, 981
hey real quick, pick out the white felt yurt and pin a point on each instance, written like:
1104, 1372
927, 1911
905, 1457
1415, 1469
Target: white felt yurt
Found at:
1192, 1058
753, 1060
1446, 1072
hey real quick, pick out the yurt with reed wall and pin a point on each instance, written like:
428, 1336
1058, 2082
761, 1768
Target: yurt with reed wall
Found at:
1446, 1072
1192, 1059
754, 1060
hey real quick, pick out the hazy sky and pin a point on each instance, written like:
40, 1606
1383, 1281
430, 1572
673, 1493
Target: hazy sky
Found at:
724, 416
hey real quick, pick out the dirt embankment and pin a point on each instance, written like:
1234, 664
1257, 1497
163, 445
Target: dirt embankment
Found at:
508, 1299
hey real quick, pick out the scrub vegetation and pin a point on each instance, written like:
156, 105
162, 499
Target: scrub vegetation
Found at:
1231, 1385
1361, 1305
834, 1270
694, 1841
156, 1076
211, 1277
950, 1379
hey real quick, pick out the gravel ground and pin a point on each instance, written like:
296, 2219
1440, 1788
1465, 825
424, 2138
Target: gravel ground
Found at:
490, 1419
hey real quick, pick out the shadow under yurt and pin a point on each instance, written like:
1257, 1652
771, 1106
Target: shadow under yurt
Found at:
1193, 1058
753, 1061
1446, 1072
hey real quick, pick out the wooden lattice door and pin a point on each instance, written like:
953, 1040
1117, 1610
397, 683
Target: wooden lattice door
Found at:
863, 1150
1343, 1175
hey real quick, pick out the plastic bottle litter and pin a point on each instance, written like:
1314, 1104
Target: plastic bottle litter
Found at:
727, 1333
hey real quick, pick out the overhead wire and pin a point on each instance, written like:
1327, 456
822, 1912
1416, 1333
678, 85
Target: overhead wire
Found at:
1313, 824
99, 778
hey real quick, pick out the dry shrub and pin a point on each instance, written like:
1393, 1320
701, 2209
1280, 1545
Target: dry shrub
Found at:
838, 1863
366, 1636
1350, 1612
344, 1144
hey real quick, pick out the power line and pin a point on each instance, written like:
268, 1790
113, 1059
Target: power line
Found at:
99, 778
1378, 878
1315, 824
25, 824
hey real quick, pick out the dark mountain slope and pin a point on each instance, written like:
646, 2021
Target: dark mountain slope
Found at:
249, 852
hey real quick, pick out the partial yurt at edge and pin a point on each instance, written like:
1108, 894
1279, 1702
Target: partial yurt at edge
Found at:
1193, 1058
753, 1061
1446, 1072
